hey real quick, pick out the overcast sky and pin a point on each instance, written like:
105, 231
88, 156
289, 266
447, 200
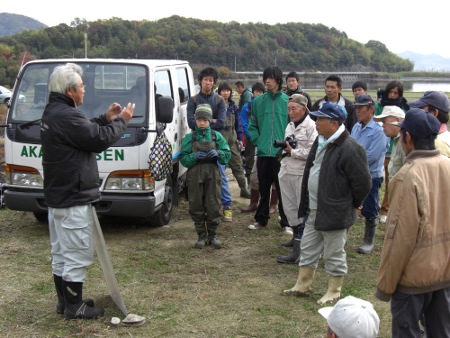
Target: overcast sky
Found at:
402, 26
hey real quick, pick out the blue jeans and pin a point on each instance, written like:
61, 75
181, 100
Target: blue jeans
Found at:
226, 194
371, 203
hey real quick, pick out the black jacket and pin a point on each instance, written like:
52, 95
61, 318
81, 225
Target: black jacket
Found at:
344, 183
349, 107
69, 143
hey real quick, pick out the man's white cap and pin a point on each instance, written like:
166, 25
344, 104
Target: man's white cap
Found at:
390, 111
352, 317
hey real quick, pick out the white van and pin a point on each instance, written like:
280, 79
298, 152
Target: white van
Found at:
160, 89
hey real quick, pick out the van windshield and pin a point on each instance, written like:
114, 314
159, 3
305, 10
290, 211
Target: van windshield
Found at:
105, 83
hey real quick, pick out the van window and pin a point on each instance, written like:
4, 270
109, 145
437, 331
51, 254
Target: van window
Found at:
104, 83
183, 85
163, 84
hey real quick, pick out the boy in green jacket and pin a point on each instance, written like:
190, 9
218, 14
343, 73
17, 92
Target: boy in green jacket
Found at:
200, 152
267, 124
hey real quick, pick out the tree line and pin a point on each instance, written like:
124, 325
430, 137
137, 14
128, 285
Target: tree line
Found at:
233, 46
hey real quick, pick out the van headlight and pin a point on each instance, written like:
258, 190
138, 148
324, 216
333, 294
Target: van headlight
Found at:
23, 176
136, 180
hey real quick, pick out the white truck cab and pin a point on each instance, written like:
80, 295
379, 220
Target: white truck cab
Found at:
159, 88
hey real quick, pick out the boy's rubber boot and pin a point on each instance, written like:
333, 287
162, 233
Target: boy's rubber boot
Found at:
75, 308
293, 257
244, 191
302, 287
254, 199
201, 232
212, 238
334, 290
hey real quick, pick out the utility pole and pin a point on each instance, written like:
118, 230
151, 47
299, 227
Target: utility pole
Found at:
85, 45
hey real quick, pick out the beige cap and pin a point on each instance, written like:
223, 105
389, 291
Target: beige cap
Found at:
300, 99
390, 111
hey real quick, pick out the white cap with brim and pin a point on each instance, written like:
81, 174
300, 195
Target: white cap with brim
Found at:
393, 111
352, 317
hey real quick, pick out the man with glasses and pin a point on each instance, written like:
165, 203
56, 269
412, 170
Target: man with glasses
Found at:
333, 89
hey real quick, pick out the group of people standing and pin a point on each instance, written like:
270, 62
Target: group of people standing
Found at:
324, 160
328, 161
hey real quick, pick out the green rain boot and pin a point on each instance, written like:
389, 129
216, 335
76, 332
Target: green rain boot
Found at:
212, 238
201, 231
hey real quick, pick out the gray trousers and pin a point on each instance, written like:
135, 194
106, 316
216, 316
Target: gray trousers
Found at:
433, 307
290, 194
331, 243
72, 242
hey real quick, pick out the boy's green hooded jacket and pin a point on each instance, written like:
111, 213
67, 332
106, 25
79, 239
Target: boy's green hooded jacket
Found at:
187, 157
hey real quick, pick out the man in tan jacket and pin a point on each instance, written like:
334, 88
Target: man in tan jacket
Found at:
414, 271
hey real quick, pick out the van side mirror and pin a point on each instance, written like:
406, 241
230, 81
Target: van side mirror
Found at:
164, 109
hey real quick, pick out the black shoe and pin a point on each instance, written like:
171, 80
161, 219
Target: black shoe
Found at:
75, 308
82, 311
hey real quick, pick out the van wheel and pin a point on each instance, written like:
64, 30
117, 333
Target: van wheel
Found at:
41, 217
163, 215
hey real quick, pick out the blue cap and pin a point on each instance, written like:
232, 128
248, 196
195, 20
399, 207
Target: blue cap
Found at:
420, 123
433, 98
364, 100
330, 110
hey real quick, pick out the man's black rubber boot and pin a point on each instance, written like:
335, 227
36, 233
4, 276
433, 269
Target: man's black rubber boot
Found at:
60, 306
75, 308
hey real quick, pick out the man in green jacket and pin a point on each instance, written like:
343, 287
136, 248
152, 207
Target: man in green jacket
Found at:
245, 93
267, 124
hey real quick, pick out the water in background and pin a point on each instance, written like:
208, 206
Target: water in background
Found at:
423, 86
411, 86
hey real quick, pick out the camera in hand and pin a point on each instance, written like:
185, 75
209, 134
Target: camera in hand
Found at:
282, 143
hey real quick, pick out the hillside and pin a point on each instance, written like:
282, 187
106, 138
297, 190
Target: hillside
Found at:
11, 24
428, 62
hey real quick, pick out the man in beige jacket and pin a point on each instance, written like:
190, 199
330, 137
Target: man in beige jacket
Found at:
414, 271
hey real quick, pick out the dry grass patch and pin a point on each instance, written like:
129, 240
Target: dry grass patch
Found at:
182, 291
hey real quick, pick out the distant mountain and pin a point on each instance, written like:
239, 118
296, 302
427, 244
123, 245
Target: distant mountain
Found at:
11, 24
430, 62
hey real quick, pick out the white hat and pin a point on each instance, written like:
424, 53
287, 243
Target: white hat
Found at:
390, 111
352, 317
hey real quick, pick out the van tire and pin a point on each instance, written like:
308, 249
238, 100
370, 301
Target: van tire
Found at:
162, 215
41, 217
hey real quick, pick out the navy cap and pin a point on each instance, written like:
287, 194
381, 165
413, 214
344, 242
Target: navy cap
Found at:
363, 100
332, 111
420, 123
434, 98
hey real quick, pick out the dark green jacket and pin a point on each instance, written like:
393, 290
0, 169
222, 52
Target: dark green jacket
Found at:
268, 122
245, 97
